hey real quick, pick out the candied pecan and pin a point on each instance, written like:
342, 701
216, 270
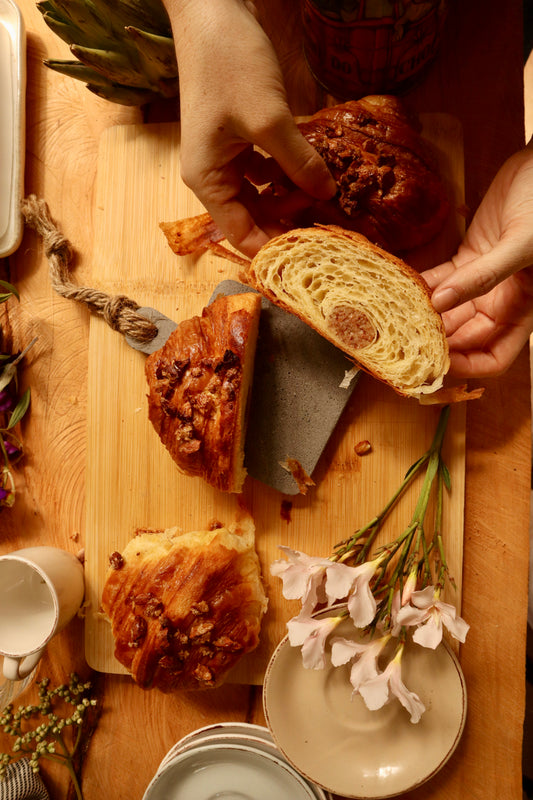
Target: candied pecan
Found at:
170, 664
142, 598
203, 674
201, 629
363, 447
201, 607
204, 402
154, 607
138, 631
225, 643
116, 560
163, 639
230, 359
172, 372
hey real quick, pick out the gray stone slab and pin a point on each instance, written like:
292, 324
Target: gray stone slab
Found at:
296, 397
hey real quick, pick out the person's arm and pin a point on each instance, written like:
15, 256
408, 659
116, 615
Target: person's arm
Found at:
231, 98
486, 291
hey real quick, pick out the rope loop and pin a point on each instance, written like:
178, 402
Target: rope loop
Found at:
118, 311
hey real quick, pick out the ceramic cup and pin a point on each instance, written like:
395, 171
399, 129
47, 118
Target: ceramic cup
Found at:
41, 589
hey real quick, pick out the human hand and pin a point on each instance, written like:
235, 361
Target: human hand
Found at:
231, 98
486, 291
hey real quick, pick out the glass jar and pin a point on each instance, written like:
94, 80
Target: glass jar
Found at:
360, 47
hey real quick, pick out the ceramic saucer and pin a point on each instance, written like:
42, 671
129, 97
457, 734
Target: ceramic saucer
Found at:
332, 739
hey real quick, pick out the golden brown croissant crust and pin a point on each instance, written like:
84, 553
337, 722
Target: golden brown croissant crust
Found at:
388, 187
185, 608
198, 388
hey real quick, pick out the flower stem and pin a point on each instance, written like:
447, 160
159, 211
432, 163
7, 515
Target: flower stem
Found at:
410, 547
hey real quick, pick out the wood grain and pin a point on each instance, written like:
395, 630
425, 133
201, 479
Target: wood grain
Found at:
131, 480
64, 123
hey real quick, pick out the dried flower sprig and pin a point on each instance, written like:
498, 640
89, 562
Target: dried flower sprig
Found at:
12, 409
388, 590
40, 731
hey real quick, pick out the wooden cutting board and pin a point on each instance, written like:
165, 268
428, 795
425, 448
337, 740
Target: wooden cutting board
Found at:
131, 480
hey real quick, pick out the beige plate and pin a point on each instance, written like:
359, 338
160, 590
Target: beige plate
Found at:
333, 740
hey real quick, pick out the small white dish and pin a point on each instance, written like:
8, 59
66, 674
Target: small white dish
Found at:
332, 739
228, 771
12, 126
224, 732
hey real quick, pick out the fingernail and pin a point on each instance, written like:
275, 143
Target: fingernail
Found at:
443, 299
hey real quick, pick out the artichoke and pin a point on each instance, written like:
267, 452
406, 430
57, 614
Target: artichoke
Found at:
124, 49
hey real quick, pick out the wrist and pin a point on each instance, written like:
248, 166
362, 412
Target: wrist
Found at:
188, 16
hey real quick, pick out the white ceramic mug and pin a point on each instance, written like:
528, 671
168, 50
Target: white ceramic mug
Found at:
41, 589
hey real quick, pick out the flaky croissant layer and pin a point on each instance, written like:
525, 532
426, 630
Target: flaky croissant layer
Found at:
367, 302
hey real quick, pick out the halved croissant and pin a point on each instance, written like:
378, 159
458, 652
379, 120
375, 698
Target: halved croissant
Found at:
367, 302
199, 384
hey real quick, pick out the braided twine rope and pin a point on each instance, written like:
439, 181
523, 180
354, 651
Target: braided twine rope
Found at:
118, 311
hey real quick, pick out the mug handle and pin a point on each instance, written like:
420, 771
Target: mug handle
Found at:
15, 669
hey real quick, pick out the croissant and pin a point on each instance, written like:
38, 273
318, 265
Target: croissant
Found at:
389, 188
199, 383
185, 607
370, 304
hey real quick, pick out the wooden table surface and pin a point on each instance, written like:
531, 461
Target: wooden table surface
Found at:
478, 79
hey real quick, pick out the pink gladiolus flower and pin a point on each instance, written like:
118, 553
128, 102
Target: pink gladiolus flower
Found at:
377, 691
365, 668
361, 602
409, 587
311, 633
317, 580
430, 614
303, 577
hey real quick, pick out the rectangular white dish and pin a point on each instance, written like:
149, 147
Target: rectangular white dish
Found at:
12, 124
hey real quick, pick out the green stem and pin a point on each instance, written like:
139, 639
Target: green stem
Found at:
402, 547
67, 762
74, 778
375, 524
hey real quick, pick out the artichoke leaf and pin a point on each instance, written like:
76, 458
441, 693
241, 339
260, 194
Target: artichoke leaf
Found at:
74, 69
72, 35
117, 67
158, 54
150, 15
86, 25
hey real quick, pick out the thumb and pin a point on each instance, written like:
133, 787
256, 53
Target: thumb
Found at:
477, 277
300, 161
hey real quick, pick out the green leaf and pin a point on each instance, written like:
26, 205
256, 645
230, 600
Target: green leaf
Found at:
446, 476
10, 288
20, 409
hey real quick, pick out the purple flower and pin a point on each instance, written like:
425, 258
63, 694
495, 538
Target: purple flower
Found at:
6, 401
11, 449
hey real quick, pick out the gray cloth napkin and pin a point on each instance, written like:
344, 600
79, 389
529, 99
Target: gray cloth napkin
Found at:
21, 783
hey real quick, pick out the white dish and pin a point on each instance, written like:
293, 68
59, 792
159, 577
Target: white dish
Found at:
12, 125
232, 771
333, 740
228, 732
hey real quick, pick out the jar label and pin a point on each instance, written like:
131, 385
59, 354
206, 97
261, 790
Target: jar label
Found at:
372, 46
